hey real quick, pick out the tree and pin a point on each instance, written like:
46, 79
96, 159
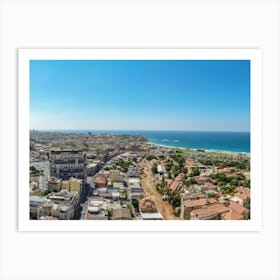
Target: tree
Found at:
187, 216
154, 169
218, 216
110, 214
175, 199
135, 203
234, 182
191, 181
195, 172
248, 184
32, 168
228, 190
168, 166
211, 195
149, 157
185, 170
247, 215
176, 170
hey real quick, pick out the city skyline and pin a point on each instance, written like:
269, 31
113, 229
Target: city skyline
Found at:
189, 95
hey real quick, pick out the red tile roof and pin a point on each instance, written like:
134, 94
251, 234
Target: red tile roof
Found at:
195, 203
200, 178
147, 205
174, 185
194, 196
199, 202
226, 169
189, 163
218, 208
209, 185
242, 190
237, 208
243, 196
179, 177
209, 211
211, 200
203, 213
52, 218
232, 215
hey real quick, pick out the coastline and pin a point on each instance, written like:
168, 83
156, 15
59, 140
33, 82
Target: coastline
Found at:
220, 152
166, 144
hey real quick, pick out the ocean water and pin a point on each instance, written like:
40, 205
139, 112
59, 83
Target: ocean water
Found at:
237, 142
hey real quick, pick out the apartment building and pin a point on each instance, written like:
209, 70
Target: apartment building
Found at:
65, 164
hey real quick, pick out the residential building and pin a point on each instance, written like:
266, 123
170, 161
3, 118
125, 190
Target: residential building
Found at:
65, 164
100, 180
115, 176
148, 210
54, 184
121, 214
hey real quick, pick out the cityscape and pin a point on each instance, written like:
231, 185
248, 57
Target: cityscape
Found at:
123, 177
184, 156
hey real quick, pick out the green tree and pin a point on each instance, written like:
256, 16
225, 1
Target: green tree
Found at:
195, 172
149, 157
247, 215
175, 199
187, 216
247, 184
228, 190
191, 181
234, 182
218, 216
168, 167
176, 170
154, 168
135, 203
32, 168
185, 170
110, 214
211, 195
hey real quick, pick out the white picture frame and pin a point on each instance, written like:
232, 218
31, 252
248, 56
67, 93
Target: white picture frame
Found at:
253, 55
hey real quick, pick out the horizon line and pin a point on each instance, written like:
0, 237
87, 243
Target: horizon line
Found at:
174, 130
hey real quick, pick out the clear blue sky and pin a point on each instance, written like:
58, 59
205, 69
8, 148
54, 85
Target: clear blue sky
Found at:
140, 95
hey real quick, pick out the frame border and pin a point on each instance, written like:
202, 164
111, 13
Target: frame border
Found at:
255, 57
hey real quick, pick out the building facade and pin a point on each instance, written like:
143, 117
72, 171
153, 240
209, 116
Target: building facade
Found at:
65, 164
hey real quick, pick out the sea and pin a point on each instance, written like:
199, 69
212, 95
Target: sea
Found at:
233, 142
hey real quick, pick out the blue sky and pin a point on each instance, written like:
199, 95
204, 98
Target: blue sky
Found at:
141, 95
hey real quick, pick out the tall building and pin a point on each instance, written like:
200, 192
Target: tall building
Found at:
65, 164
115, 176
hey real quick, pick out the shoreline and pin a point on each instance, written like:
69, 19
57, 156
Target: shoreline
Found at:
149, 141
205, 150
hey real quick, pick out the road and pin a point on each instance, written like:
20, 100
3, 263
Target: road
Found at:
147, 181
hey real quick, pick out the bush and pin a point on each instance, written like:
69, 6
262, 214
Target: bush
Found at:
135, 203
228, 190
149, 157
195, 172
154, 169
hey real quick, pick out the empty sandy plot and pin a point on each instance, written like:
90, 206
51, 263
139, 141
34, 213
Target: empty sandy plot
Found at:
147, 180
